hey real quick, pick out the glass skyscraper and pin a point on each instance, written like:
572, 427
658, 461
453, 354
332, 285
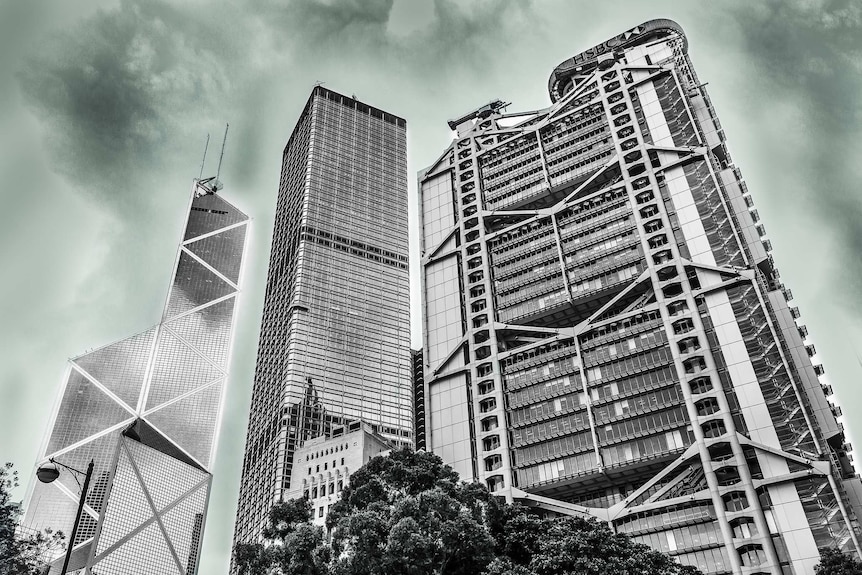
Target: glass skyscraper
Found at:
334, 338
146, 411
605, 331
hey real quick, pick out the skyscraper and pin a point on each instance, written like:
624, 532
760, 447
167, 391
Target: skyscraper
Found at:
605, 331
334, 338
146, 411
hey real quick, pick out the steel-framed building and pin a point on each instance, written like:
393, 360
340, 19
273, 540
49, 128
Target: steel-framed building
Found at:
605, 331
334, 342
146, 410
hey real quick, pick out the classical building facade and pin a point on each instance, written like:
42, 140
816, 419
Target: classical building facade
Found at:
146, 410
605, 331
322, 465
334, 339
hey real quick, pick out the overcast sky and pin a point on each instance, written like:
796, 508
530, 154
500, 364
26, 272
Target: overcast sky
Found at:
105, 107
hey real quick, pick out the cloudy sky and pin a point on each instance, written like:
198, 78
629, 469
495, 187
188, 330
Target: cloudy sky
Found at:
105, 107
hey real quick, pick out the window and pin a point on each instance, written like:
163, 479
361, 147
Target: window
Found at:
487, 405
735, 501
743, 528
320, 511
728, 475
644, 197
688, 345
667, 273
681, 326
720, 451
700, 384
707, 406
672, 290
491, 442
642, 183
694, 364
752, 555
486, 386
493, 462
653, 225
677, 307
714, 428
495, 483
489, 423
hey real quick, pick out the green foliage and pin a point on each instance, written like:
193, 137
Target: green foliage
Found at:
574, 545
294, 545
20, 556
408, 513
834, 562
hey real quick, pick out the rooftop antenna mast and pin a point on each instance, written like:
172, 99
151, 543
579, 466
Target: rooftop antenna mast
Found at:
206, 146
217, 185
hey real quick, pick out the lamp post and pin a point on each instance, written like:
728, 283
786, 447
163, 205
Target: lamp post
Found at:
47, 474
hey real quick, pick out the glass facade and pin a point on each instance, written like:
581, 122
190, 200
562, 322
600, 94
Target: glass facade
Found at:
169, 380
334, 339
605, 331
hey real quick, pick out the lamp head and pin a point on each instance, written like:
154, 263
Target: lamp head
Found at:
48, 472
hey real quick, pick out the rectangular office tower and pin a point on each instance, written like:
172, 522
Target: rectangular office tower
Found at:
605, 331
146, 410
334, 338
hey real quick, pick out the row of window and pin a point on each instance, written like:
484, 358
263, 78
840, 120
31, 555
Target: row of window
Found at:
620, 329
542, 390
539, 355
327, 451
630, 365
321, 490
697, 535
626, 347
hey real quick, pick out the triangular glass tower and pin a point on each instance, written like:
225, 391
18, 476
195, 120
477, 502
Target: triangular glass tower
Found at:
146, 410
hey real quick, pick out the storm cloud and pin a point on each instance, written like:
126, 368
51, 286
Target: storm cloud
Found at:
118, 91
811, 55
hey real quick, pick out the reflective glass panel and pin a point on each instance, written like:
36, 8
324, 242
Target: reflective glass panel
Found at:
84, 411
120, 367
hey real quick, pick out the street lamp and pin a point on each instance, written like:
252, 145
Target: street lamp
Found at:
47, 473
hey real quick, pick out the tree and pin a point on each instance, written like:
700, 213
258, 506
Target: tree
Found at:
294, 546
575, 545
20, 555
408, 513
834, 562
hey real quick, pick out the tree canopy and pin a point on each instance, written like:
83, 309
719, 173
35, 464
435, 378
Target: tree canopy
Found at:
834, 562
20, 555
409, 513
